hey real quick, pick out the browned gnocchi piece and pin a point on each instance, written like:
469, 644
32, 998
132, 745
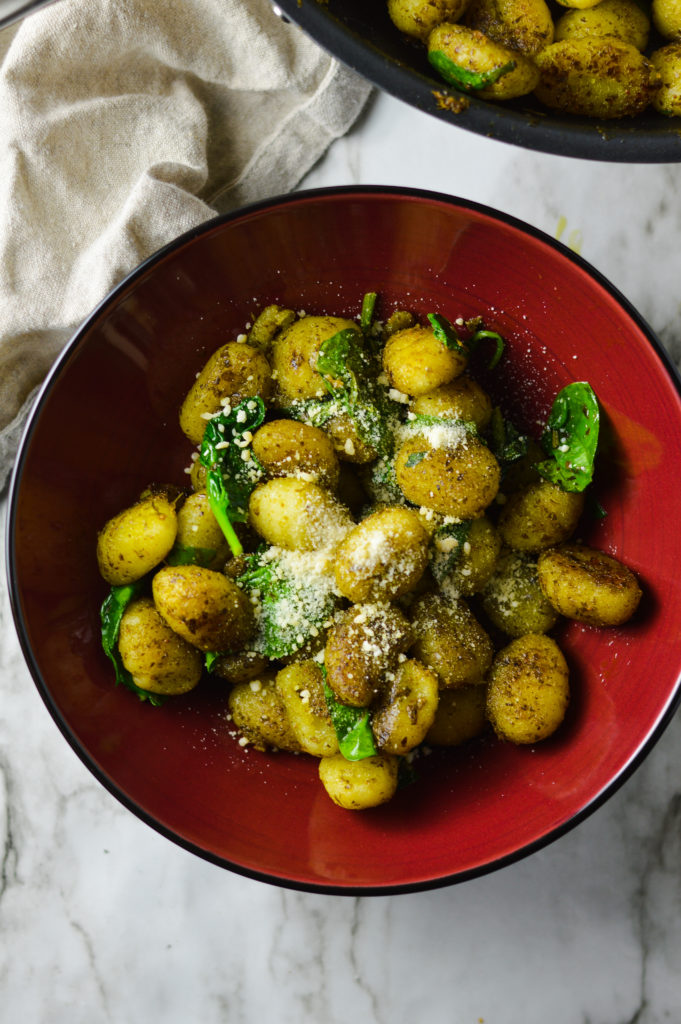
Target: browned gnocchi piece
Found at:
539, 516
407, 712
382, 557
158, 660
416, 362
137, 539
523, 25
295, 352
588, 585
259, 713
205, 607
528, 689
417, 18
454, 473
624, 19
511, 73
235, 372
667, 63
301, 688
357, 785
364, 643
595, 77
461, 715
291, 448
449, 640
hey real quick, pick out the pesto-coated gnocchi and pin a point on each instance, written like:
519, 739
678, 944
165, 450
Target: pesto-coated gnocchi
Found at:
357, 785
417, 17
301, 688
450, 640
367, 556
667, 63
513, 599
258, 711
596, 59
295, 352
290, 448
158, 659
528, 689
204, 607
505, 72
236, 371
416, 361
588, 585
624, 19
402, 721
522, 25
460, 399
448, 470
596, 77
137, 539
539, 516
460, 716
382, 557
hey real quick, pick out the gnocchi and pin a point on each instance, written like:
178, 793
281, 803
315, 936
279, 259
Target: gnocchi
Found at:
359, 557
590, 58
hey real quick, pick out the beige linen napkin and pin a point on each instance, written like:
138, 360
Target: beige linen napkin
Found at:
124, 123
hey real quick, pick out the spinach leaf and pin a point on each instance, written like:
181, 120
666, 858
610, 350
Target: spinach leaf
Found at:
446, 334
352, 725
381, 483
367, 314
414, 458
506, 442
349, 376
571, 437
291, 606
210, 658
463, 79
444, 558
182, 554
484, 334
111, 613
421, 422
230, 478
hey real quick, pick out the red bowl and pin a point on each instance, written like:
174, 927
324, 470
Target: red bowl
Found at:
105, 425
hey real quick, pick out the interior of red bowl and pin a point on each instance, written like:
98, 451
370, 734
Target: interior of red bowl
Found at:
106, 425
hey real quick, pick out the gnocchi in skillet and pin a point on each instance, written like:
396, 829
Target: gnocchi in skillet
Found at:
367, 553
593, 58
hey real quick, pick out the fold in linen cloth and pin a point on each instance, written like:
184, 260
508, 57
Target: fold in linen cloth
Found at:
124, 123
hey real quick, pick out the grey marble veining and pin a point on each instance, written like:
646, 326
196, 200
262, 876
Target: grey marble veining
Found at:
103, 920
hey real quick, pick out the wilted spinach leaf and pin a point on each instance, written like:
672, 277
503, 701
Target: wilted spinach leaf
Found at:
230, 478
571, 437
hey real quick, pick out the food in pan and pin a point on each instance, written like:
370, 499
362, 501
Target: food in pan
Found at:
595, 58
368, 554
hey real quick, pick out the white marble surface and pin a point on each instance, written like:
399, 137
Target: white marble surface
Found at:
102, 920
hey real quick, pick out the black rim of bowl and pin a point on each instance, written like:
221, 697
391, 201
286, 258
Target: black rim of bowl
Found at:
60, 365
648, 138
